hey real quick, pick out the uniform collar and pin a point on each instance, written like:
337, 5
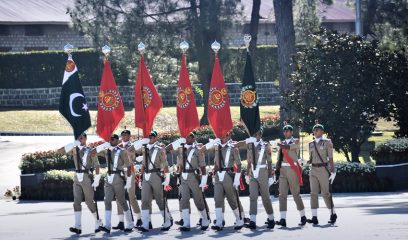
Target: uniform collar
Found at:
124, 144
289, 140
317, 140
150, 146
260, 142
227, 143
81, 147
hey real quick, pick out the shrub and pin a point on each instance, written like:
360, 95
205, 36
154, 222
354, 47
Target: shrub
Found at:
43, 161
391, 152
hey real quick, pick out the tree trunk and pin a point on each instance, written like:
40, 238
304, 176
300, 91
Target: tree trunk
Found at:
285, 35
253, 27
346, 154
355, 151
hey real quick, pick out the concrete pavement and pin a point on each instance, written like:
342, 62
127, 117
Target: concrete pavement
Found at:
361, 216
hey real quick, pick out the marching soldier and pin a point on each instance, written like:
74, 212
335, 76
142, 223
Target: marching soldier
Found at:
321, 178
290, 175
191, 161
226, 183
154, 161
83, 187
118, 162
127, 145
260, 176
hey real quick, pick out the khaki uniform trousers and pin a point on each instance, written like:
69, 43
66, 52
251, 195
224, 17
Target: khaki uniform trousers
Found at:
116, 189
191, 187
225, 189
319, 181
83, 190
256, 186
132, 199
288, 180
150, 189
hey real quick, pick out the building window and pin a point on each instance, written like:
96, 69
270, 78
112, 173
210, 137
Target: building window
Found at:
34, 30
4, 30
5, 49
35, 48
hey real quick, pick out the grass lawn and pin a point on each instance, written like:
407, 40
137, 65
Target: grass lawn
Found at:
51, 121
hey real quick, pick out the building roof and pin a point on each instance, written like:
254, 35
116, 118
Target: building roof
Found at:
55, 11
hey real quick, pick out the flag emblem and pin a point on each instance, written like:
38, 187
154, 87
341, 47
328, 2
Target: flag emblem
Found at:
217, 97
147, 96
248, 97
109, 99
70, 66
183, 98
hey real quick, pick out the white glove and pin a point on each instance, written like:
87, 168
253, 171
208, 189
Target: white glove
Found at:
70, 146
212, 143
139, 159
247, 179
332, 177
236, 180
102, 147
274, 144
176, 144
302, 162
166, 180
250, 140
139, 143
140, 184
96, 181
128, 183
203, 183
271, 180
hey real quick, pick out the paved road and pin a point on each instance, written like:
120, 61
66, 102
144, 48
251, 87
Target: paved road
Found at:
361, 216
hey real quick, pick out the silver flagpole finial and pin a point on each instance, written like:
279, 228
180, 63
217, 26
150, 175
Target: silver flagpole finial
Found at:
141, 47
184, 46
215, 46
247, 40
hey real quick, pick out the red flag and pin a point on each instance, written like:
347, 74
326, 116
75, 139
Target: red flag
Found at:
110, 105
219, 114
147, 100
187, 116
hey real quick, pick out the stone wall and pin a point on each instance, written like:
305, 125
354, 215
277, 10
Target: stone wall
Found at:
49, 97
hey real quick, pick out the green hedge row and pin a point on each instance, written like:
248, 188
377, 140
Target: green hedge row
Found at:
41, 69
391, 152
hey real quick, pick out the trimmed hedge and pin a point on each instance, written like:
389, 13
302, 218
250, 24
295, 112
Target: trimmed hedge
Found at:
39, 162
391, 152
41, 69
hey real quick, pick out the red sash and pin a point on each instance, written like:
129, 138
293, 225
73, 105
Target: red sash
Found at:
297, 168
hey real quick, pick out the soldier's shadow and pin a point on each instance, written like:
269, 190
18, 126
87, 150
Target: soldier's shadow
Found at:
227, 231
257, 232
192, 233
325, 226
290, 228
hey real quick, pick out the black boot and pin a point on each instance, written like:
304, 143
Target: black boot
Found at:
171, 221
142, 229
313, 220
164, 229
75, 230
128, 229
271, 223
281, 222
303, 221
184, 229
102, 228
120, 226
150, 225
181, 222
333, 218
138, 223
250, 225
216, 228
246, 220
215, 222
199, 222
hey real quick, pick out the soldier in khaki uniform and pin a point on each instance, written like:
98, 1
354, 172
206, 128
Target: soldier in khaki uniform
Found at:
260, 176
289, 178
83, 187
127, 145
118, 165
191, 161
226, 182
154, 161
321, 158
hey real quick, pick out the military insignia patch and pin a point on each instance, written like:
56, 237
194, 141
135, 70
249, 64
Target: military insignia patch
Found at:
183, 97
248, 97
70, 66
109, 99
147, 96
217, 97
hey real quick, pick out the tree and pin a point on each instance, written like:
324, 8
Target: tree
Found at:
307, 20
285, 35
340, 81
161, 25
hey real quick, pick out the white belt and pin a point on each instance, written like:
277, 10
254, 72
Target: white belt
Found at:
285, 164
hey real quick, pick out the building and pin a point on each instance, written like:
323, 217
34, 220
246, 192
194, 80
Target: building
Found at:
27, 25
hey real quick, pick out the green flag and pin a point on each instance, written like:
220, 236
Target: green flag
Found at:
249, 107
72, 104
